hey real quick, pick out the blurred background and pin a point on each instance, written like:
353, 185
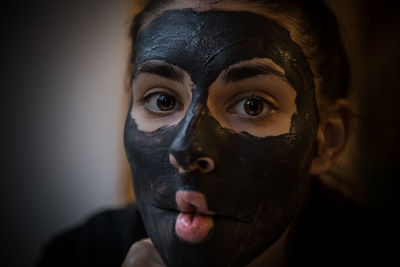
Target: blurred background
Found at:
66, 97
70, 102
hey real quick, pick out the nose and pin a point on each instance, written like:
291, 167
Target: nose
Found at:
193, 146
202, 164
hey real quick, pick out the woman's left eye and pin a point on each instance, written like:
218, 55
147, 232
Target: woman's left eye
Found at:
251, 106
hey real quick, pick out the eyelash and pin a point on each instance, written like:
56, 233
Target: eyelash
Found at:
258, 117
144, 101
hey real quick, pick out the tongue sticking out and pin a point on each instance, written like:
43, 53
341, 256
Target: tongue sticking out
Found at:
194, 222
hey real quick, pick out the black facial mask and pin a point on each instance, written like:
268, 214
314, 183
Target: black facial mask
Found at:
258, 183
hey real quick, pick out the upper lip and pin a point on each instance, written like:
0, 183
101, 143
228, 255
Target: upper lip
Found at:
192, 202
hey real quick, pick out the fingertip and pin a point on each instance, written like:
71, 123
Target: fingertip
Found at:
147, 240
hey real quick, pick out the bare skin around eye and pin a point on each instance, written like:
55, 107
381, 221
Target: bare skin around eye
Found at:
149, 85
268, 85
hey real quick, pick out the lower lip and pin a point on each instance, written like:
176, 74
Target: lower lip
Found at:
193, 228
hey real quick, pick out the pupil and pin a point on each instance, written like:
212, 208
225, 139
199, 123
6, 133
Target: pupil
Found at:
253, 107
165, 102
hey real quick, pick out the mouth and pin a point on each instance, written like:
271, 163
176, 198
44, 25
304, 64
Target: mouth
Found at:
195, 222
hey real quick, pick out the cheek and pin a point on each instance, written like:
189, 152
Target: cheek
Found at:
254, 172
147, 154
275, 125
150, 123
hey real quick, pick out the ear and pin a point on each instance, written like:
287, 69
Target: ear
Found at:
332, 136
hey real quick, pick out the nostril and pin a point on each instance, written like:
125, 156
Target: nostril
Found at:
205, 164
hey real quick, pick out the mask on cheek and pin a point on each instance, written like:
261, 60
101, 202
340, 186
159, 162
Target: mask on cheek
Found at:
247, 191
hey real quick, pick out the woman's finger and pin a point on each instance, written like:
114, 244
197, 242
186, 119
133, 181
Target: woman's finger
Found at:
143, 253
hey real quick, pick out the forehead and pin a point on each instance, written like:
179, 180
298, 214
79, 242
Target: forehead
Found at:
213, 40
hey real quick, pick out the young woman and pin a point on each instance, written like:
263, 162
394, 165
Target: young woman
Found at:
234, 109
237, 108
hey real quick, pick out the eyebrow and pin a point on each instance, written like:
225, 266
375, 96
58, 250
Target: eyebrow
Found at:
237, 73
163, 69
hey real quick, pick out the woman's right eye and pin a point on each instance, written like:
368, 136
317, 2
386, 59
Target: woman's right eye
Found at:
160, 103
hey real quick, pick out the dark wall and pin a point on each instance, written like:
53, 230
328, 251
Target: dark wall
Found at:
371, 31
380, 110
63, 89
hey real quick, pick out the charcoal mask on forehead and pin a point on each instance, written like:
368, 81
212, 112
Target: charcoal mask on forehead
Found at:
244, 204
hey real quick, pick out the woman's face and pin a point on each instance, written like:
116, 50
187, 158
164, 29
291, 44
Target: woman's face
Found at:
220, 135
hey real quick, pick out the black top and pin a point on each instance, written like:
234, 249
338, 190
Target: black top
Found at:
330, 231
103, 240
